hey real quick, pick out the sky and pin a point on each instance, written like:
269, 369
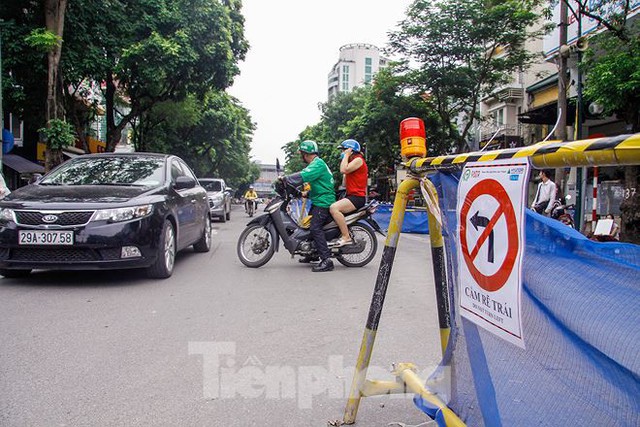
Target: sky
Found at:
293, 46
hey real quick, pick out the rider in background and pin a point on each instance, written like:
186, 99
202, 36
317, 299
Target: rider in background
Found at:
322, 195
356, 172
250, 197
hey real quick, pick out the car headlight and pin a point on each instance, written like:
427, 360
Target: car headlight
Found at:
123, 214
7, 215
217, 198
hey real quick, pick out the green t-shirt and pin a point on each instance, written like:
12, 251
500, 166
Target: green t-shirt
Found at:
319, 177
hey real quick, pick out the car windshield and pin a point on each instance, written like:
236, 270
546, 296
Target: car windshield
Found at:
136, 171
212, 185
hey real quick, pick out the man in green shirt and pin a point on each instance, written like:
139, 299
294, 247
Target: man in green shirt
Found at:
322, 195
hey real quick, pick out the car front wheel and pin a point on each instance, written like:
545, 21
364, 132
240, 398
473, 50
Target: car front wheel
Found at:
163, 266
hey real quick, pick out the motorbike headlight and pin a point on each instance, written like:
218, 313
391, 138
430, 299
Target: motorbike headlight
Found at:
7, 215
123, 214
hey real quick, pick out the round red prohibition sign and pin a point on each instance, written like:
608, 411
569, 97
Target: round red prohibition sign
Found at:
494, 189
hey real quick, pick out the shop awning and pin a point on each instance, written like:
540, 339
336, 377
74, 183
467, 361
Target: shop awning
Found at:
548, 114
20, 164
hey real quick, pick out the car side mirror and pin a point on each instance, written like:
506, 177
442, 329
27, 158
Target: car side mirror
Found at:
183, 182
36, 177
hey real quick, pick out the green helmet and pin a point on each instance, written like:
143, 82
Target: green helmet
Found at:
309, 147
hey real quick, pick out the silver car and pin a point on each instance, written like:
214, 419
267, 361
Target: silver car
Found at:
219, 197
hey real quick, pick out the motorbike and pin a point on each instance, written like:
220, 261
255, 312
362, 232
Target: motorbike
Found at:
562, 211
259, 241
250, 206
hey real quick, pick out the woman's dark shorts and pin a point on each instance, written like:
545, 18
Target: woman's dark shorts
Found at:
358, 201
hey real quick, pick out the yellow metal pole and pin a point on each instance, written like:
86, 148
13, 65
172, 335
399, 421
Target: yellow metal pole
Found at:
439, 269
406, 372
377, 301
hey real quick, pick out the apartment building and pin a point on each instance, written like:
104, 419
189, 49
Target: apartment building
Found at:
356, 66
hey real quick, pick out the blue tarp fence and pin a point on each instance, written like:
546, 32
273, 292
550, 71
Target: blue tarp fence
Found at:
581, 325
415, 219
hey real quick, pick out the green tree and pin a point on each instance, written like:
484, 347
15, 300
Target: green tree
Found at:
612, 68
48, 41
213, 136
456, 52
371, 115
152, 51
24, 68
377, 122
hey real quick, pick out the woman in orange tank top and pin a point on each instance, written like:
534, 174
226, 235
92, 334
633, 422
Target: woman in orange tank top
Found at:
356, 172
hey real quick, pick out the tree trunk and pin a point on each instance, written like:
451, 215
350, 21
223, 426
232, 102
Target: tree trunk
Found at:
114, 131
54, 11
110, 95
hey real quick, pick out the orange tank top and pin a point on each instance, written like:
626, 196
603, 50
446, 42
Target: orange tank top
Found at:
356, 181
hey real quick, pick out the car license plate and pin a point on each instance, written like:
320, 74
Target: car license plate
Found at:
41, 237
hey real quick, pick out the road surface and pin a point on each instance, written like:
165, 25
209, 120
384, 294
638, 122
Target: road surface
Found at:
217, 344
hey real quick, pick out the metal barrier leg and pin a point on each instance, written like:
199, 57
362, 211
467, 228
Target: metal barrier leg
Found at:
377, 301
439, 270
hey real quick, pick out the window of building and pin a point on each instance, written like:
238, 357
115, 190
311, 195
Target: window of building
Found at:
16, 126
368, 70
499, 117
345, 78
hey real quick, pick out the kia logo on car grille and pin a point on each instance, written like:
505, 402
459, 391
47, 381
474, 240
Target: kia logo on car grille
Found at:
50, 219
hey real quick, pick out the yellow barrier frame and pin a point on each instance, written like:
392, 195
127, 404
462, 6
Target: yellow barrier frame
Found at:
609, 151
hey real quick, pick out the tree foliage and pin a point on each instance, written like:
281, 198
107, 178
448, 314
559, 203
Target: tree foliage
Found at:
160, 65
371, 115
212, 135
612, 67
58, 134
456, 52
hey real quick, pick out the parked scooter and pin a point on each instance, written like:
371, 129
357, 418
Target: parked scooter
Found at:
562, 211
260, 240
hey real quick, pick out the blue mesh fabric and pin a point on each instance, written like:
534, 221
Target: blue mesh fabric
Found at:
581, 326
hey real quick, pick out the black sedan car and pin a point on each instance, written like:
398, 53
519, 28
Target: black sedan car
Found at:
105, 211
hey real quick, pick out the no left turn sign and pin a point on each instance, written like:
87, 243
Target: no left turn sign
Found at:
487, 220
490, 213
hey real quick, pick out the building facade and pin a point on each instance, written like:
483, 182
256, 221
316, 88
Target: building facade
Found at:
356, 66
264, 184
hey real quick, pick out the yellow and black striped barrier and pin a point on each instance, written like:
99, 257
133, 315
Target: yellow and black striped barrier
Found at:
609, 151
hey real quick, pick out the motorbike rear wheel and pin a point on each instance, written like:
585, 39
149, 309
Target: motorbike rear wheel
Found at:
255, 246
361, 234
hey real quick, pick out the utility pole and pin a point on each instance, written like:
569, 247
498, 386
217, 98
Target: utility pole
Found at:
561, 129
579, 119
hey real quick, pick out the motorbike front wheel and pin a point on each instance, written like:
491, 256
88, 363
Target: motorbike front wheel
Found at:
255, 246
365, 235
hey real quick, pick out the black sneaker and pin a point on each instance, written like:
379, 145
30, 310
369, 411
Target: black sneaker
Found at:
309, 259
325, 265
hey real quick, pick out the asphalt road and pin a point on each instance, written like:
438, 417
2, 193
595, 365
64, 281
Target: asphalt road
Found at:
217, 344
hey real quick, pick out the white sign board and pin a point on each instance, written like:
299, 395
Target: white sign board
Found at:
490, 212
